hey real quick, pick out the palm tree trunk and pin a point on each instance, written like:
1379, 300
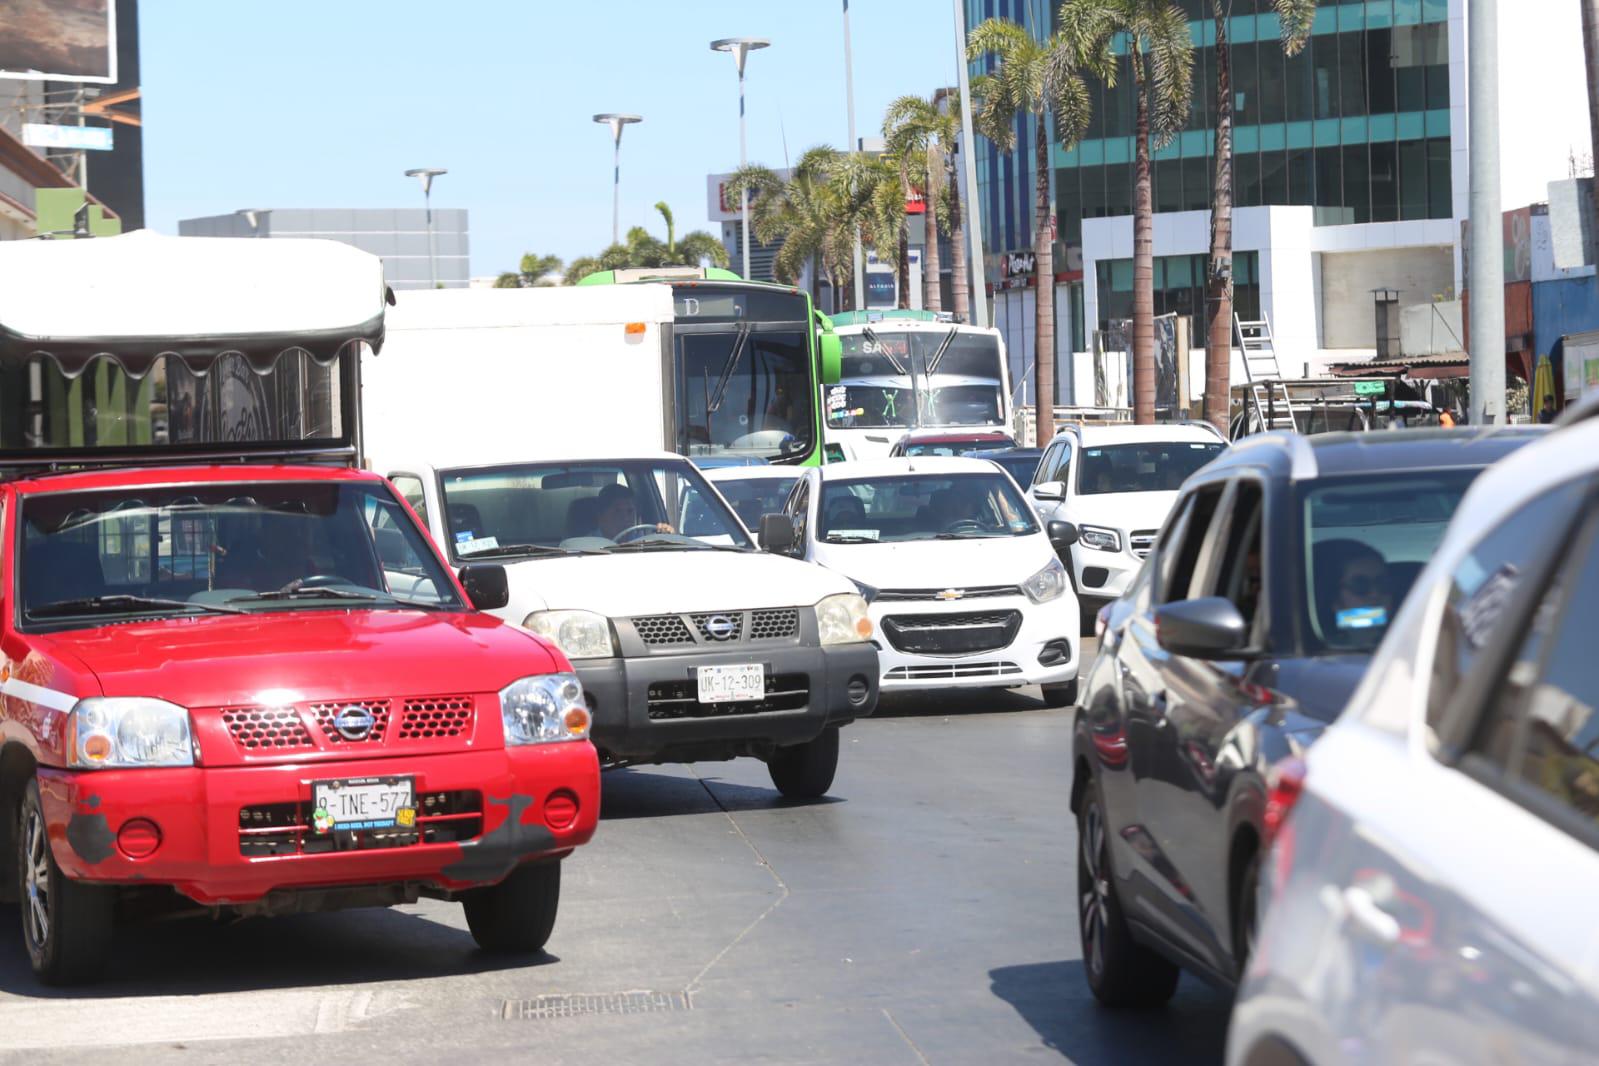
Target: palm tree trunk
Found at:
904, 267
932, 268
1143, 261
959, 285
1219, 285
1043, 296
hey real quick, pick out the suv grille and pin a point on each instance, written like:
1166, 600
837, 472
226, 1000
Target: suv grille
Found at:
325, 713
664, 629
774, 625
1141, 541
266, 729
680, 699
441, 716
952, 634
976, 592
273, 829
718, 627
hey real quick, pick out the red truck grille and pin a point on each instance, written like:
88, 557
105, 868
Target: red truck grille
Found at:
444, 716
264, 732
325, 713
270, 830
266, 729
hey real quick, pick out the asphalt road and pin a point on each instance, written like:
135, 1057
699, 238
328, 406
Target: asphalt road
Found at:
922, 914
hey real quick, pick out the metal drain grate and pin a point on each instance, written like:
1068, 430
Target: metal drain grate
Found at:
578, 1004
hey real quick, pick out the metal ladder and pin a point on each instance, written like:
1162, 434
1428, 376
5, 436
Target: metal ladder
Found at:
1264, 375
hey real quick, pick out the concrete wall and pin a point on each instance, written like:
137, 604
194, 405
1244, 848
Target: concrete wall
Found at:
1348, 312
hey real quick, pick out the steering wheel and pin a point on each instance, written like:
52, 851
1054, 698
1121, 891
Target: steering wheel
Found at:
315, 581
964, 525
640, 530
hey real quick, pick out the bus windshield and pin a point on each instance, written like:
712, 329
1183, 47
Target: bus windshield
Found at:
905, 378
746, 392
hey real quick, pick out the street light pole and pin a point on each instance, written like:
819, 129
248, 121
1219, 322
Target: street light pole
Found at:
740, 48
854, 146
427, 174
617, 123
974, 213
1486, 281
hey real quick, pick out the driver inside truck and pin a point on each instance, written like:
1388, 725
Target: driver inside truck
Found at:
617, 513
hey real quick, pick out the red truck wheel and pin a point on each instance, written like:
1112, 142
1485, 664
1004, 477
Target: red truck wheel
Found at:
66, 925
517, 915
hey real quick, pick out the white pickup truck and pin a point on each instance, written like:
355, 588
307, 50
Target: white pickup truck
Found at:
691, 641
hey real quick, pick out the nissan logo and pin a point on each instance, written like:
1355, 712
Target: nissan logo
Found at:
721, 627
354, 723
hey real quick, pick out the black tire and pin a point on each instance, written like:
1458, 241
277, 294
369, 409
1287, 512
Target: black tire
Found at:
1121, 972
1061, 695
805, 771
66, 924
1246, 918
516, 916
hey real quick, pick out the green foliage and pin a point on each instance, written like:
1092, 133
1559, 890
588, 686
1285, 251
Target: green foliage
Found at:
531, 271
640, 250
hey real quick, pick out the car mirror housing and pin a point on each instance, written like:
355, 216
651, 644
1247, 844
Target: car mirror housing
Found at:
1208, 628
486, 585
1051, 491
777, 532
1062, 534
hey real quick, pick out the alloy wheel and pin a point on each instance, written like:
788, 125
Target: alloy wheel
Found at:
36, 879
1093, 889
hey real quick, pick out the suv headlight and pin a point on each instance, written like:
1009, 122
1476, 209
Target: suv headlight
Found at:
544, 709
842, 619
1048, 584
1105, 540
580, 634
125, 732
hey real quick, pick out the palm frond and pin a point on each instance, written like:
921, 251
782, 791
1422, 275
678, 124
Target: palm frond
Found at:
1296, 17
665, 212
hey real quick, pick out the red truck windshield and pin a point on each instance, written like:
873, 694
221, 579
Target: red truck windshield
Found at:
222, 548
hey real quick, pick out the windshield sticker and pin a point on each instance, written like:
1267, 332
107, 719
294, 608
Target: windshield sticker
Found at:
463, 535
1362, 618
474, 544
863, 534
837, 398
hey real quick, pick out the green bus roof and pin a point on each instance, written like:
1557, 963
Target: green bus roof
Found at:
865, 318
622, 277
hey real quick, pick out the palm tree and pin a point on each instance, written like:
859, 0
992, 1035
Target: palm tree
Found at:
1296, 17
529, 272
811, 213
914, 129
1160, 53
1043, 79
582, 267
641, 250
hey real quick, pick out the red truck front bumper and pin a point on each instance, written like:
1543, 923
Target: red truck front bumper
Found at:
533, 802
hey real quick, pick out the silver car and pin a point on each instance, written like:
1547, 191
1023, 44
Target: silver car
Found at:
1429, 893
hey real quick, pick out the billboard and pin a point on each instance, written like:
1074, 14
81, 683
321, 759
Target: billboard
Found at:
60, 40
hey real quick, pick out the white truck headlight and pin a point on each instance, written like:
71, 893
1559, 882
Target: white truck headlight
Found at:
842, 619
544, 709
580, 634
1098, 537
1048, 584
124, 732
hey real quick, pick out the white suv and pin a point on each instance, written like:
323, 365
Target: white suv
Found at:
1116, 484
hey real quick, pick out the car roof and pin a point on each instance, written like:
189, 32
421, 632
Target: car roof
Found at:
752, 473
1012, 453
1123, 433
144, 476
1333, 454
900, 466
935, 436
545, 456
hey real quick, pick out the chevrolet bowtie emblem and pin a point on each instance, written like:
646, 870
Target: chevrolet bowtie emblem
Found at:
951, 594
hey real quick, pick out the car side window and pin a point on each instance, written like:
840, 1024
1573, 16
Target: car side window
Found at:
1185, 544
799, 505
1236, 572
410, 487
1541, 732
1484, 581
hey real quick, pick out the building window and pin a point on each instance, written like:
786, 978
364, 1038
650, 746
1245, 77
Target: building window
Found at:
1179, 288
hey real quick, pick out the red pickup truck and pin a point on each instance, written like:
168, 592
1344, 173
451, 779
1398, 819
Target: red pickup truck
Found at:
235, 674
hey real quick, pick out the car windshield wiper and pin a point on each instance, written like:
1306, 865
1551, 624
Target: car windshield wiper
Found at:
968, 536
648, 543
316, 592
525, 549
715, 402
123, 602
844, 538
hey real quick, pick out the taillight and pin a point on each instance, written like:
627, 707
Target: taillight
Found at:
1101, 621
1284, 784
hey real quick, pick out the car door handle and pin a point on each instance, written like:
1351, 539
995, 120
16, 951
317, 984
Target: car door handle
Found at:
1367, 917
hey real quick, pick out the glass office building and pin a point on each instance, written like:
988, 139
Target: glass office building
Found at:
1356, 127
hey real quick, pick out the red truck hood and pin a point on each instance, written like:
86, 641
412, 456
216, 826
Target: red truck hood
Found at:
217, 661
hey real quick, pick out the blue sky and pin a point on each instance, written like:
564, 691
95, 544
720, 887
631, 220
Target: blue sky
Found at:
292, 103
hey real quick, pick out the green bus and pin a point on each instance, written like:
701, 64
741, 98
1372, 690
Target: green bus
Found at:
750, 359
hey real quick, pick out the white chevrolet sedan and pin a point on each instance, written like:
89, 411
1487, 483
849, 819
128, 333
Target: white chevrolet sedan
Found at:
1430, 893
963, 583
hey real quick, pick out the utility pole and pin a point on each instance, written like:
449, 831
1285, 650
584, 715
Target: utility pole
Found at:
617, 124
854, 146
1486, 280
1590, 51
740, 48
974, 212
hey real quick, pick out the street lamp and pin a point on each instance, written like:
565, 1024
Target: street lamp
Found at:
854, 146
617, 124
978, 289
427, 174
741, 47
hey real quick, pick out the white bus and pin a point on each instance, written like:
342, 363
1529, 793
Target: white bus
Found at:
905, 370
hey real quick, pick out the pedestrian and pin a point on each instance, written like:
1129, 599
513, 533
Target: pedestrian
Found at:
1547, 415
1446, 418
